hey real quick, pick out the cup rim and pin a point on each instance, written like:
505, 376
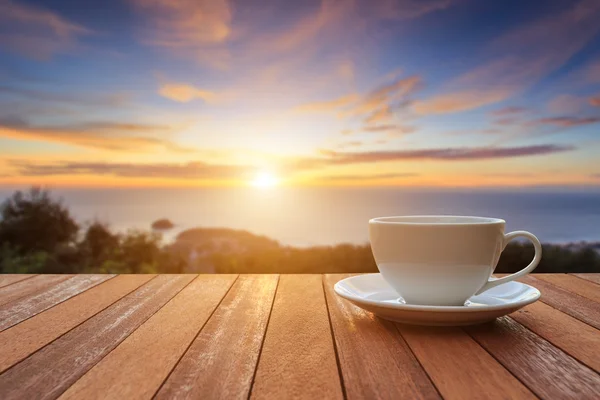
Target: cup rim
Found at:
435, 220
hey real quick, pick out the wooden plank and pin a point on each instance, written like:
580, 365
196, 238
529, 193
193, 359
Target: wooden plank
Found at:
21, 340
573, 284
459, 367
28, 286
50, 371
571, 335
140, 364
568, 302
9, 279
298, 358
375, 361
221, 361
19, 310
546, 370
590, 277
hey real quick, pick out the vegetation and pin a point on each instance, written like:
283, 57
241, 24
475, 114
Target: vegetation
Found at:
39, 235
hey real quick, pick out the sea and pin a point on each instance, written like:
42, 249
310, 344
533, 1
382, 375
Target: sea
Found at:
311, 216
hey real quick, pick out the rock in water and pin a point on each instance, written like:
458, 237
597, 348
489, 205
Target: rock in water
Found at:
162, 224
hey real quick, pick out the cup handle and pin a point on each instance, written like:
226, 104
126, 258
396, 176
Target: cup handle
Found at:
534, 263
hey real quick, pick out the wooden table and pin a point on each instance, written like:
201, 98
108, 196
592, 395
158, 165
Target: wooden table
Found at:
281, 336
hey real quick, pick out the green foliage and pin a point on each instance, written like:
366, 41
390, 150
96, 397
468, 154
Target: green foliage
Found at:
38, 235
34, 222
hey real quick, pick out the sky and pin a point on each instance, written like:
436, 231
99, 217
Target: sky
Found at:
431, 93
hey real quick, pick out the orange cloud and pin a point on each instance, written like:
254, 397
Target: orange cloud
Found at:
188, 23
394, 91
595, 101
191, 28
35, 31
191, 170
327, 106
329, 16
459, 101
103, 136
184, 93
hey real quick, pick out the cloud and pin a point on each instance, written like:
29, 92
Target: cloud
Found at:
595, 101
506, 121
382, 115
353, 143
447, 154
460, 101
78, 99
186, 24
373, 105
36, 32
565, 122
192, 170
566, 104
509, 111
96, 135
333, 158
366, 178
193, 29
347, 132
527, 54
388, 95
327, 106
391, 129
408, 9
184, 93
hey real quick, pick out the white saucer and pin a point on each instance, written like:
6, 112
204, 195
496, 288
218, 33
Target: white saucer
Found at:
372, 293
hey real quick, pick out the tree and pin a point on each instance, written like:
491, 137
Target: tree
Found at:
98, 244
34, 222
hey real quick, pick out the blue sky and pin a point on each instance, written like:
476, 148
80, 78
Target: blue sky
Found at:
331, 92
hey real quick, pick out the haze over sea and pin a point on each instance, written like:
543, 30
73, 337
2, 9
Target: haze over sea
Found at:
326, 216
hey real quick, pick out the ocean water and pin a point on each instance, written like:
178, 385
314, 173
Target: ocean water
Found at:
324, 216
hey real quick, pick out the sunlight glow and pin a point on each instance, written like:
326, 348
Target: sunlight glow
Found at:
264, 179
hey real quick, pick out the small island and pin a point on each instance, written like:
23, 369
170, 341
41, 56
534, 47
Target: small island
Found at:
162, 224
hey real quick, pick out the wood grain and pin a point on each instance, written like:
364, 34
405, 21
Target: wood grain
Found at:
459, 367
573, 284
21, 340
50, 371
9, 279
571, 335
28, 286
375, 361
568, 302
140, 364
298, 359
546, 370
19, 310
221, 361
589, 277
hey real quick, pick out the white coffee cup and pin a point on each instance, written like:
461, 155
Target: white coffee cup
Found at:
442, 260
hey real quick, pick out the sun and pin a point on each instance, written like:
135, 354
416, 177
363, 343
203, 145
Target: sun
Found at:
264, 179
